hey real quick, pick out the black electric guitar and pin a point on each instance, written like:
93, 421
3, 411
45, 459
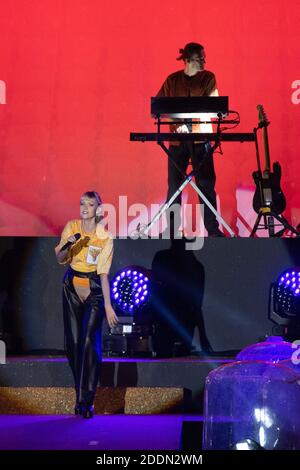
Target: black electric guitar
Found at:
268, 192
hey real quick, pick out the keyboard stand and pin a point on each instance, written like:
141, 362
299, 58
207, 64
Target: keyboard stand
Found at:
188, 180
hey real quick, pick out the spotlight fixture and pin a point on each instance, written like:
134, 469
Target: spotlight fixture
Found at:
130, 289
284, 307
247, 444
132, 336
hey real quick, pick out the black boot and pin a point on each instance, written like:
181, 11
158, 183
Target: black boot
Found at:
88, 397
78, 408
88, 411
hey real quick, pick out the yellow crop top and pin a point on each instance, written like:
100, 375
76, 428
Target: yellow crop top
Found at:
92, 252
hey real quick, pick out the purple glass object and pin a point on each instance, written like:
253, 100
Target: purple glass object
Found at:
252, 400
257, 398
274, 349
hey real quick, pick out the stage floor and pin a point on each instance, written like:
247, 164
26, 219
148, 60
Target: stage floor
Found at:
40, 432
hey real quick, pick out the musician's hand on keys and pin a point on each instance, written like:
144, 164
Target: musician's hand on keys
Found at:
182, 129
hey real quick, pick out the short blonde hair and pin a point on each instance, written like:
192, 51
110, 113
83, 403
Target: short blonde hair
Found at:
94, 195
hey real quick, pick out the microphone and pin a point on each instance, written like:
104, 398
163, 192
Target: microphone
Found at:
68, 244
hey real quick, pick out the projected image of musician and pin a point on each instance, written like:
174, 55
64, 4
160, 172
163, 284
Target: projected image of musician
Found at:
88, 249
193, 80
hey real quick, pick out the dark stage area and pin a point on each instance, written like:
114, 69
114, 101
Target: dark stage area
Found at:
207, 305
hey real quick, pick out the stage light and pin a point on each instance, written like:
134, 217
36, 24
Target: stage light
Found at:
247, 444
284, 307
132, 336
130, 289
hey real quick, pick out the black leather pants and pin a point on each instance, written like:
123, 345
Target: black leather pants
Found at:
82, 324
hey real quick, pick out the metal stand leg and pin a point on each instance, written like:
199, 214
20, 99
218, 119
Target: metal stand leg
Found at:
188, 180
255, 227
269, 217
202, 196
165, 207
285, 224
211, 207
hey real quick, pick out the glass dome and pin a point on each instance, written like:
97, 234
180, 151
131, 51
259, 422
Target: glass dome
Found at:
252, 400
274, 349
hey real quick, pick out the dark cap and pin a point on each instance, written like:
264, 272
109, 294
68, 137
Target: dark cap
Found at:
190, 49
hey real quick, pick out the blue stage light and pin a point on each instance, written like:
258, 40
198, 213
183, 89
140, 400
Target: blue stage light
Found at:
130, 289
289, 283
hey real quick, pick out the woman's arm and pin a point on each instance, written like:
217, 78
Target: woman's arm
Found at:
62, 255
110, 313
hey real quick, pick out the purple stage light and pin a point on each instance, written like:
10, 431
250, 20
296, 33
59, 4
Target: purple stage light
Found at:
288, 283
285, 296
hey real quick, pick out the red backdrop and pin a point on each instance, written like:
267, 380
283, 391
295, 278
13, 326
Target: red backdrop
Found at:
76, 77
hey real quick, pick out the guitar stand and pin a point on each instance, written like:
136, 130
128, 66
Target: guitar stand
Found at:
269, 216
188, 180
266, 212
